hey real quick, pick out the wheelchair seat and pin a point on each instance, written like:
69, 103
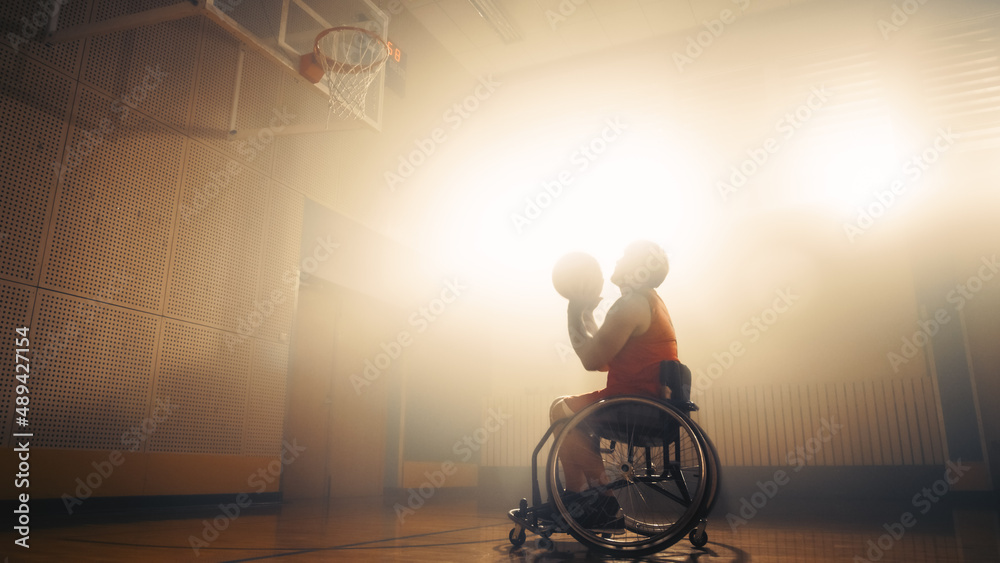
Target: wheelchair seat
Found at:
648, 427
637, 425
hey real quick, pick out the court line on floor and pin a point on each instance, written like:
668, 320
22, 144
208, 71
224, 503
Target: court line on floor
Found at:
741, 555
294, 550
364, 543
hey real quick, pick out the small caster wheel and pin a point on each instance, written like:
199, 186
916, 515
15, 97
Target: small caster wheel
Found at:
517, 538
699, 538
545, 543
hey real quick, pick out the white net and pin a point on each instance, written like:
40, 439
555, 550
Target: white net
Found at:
351, 58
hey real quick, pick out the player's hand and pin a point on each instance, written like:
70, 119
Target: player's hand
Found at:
583, 306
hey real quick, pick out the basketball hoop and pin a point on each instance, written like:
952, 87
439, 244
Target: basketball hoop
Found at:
350, 58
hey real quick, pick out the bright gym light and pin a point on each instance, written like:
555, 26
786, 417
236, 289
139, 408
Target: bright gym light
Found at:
847, 166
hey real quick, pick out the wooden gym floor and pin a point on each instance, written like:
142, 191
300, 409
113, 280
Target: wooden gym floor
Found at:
461, 530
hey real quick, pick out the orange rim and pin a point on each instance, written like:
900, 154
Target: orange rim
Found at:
338, 66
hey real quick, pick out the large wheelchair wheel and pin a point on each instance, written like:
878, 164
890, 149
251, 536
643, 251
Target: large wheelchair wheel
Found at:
698, 535
714, 471
656, 463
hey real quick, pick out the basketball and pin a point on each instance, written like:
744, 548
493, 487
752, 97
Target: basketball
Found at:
577, 276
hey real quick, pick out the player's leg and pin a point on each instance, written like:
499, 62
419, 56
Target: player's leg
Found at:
583, 468
582, 463
576, 479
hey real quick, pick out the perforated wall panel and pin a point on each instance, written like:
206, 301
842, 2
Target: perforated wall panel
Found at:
258, 107
279, 268
151, 251
37, 100
115, 206
299, 163
214, 275
302, 161
24, 24
107, 9
92, 374
214, 93
265, 412
16, 303
150, 67
307, 103
205, 377
259, 110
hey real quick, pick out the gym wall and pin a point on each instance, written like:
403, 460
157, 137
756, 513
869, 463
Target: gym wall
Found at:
156, 261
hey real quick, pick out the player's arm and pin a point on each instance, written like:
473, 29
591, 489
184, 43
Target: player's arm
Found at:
588, 321
597, 348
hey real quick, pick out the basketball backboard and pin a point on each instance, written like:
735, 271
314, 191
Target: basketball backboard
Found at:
286, 30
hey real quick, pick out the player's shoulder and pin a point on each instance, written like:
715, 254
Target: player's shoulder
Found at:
631, 303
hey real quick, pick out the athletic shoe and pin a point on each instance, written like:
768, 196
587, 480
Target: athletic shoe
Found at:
602, 516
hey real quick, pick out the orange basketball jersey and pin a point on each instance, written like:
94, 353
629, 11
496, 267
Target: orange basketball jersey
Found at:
635, 370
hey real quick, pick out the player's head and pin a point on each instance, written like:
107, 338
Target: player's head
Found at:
643, 265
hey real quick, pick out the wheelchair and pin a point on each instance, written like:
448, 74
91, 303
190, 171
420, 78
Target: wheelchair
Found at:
661, 466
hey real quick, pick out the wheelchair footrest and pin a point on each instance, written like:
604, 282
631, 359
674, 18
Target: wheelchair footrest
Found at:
544, 524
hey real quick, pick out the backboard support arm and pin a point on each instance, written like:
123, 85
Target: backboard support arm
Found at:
131, 21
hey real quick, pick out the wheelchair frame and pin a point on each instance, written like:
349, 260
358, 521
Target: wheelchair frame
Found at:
671, 416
